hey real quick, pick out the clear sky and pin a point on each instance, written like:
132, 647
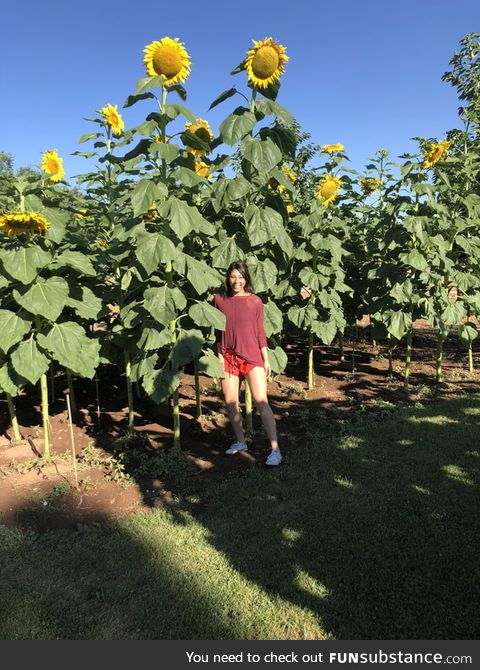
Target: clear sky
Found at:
366, 73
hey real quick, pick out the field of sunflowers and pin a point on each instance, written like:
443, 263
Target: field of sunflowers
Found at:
121, 270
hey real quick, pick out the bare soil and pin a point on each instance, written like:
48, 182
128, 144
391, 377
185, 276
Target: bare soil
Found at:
45, 494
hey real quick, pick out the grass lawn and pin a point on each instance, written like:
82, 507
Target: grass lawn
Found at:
370, 535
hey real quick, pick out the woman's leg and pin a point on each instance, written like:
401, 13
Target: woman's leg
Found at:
230, 388
258, 385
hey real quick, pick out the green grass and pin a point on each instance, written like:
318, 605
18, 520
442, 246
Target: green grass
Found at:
371, 535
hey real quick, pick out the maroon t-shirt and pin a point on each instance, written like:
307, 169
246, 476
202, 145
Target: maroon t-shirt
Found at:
244, 333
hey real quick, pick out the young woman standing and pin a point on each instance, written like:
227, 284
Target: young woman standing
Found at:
242, 350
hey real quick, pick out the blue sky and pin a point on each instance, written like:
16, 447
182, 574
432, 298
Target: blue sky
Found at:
365, 73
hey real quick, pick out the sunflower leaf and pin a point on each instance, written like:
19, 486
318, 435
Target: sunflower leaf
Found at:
206, 315
278, 359
222, 97
237, 125
29, 361
184, 111
13, 328
179, 89
209, 365
187, 347
23, 264
145, 193
146, 83
133, 99
46, 297
75, 260
164, 303
70, 346
154, 249
160, 385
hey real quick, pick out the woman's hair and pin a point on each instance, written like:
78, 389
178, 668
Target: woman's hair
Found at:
241, 266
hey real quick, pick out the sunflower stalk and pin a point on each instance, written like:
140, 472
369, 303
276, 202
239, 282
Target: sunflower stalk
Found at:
439, 359
71, 390
198, 396
310, 373
408, 361
13, 419
44, 396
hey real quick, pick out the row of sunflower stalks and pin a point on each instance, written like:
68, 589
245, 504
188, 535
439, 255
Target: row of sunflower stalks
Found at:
160, 219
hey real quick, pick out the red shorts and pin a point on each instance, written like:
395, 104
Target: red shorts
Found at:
235, 365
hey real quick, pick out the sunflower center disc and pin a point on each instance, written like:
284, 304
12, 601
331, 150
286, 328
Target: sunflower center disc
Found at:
328, 190
167, 61
52, 165
265, 62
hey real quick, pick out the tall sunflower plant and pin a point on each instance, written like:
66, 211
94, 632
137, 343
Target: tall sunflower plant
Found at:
317, 286
43, 285
164, 277
249, 203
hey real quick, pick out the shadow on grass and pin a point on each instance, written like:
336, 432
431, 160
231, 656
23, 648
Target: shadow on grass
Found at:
371, 535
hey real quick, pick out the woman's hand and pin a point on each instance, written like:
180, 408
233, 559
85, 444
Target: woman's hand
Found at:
267, 368
221, 359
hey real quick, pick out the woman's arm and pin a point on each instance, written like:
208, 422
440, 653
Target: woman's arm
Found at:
266, 364
262, 338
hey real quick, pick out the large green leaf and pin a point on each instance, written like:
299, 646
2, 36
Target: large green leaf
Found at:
154, 337
454, 313
165, 150
70, 346
142, 363
188, 345
467, 332
263, 154
201, 276
29, 361
205, 314
415, 260
263, 273
273, 318
154, 249
278, 359
146, 83
237, 125
77, 261
23, 264
225, 253
268, 107
58, 220
400, 324
46, 297
164, 303
145, 193
325, 330
208, 364
9, 383
12, 329
265, 225
160, 385
85, 303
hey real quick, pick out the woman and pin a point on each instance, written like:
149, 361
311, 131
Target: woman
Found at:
242, 350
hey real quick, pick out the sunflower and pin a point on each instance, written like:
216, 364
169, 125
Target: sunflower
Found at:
370, 185
112, 119
152, 214
265, 63
332, 148
327, 189
202, 169
200, 129
167, 58
435, 152
16, 223
101, 243
81, 214
52, 164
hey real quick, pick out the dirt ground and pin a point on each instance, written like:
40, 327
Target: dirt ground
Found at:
46, 494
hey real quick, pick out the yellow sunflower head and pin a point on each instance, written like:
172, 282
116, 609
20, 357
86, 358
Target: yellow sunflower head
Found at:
18, 223
265, 63
101, 243
202, 169
327, 189
332, 148
169, 59
112, 119
370, 185
435, 152
52, 164
81, 213
200, 129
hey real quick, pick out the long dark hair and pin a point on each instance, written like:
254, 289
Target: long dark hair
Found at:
241, 266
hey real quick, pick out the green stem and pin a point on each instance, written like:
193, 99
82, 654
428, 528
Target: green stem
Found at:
470, 358
310, 377
13, 418
248, 411
71, 390
439, 359
340, 347
408, 360
128, 377
46, 436
198, 397
173, 338
390, 354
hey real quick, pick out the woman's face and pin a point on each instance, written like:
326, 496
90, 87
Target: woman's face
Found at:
237, 282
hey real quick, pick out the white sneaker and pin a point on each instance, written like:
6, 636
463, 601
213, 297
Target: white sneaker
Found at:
236, 447
275, 457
